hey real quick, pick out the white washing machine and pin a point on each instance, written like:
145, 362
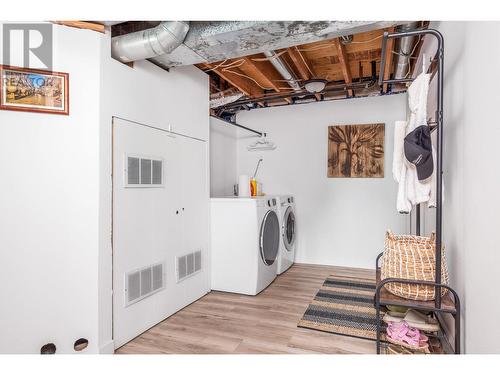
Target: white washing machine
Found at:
245, 240
288, 232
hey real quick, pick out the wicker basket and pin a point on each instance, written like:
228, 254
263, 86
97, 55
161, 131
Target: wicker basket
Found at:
412, 258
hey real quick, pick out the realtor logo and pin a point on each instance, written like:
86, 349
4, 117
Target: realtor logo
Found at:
28, 45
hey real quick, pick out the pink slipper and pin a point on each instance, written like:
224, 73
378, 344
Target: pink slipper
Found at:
414, 332
401, 334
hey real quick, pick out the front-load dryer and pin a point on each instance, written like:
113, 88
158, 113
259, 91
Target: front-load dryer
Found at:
288, 232
245, 240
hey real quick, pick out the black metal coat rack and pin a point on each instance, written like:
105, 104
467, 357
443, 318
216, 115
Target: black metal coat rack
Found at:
450, 302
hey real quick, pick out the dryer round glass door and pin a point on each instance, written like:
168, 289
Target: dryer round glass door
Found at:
289, 229
269, 237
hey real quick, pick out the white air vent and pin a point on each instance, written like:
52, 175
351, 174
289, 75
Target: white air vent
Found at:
143, 171
188, 265
142, 283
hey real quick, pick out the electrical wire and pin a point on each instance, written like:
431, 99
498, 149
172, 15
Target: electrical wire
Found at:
304, 61
402, 54
367, 41
214, 68
411, 53
254, 81
315, 48
233, 64
329, 45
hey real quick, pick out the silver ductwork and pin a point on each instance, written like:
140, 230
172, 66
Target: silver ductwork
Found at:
404, 51
212, 41
146, 44
282, 69
180, 43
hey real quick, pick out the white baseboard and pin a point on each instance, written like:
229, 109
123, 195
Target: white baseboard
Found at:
108, 348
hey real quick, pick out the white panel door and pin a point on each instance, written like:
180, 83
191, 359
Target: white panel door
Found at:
146, 226
195, 207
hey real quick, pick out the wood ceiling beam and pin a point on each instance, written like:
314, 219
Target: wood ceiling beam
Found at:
82, 25
388, 60
299, 63
344, 64
260, 76
243, 84
303, 68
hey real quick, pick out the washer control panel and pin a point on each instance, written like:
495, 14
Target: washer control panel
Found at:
271, 202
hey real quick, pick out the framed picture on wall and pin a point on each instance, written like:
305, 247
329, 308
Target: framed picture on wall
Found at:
356, 151
34, 90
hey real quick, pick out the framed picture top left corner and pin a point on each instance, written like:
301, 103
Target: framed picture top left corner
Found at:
34, 90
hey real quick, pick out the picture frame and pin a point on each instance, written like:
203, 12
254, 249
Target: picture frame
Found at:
34, 90
356, 151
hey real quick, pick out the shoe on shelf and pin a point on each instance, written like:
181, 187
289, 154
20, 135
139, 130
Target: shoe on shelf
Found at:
400, 333
397, 310
415, 319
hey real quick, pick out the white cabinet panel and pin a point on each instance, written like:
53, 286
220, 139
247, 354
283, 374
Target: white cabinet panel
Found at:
156, 223
195, 198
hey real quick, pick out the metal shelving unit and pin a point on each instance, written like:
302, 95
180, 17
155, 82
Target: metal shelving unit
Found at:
450, 302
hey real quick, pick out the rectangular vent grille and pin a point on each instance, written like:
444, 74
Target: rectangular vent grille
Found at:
142, 283
143, 172
188, 265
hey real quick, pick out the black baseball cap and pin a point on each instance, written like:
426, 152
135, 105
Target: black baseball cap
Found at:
418, 151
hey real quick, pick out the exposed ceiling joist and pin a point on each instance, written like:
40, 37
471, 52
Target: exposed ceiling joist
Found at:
299, 63
349, 66
241, 83
344, 63
82, 25
262, 76
388, 60
302, 66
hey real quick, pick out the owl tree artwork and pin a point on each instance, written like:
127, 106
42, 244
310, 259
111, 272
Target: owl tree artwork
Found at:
356, 151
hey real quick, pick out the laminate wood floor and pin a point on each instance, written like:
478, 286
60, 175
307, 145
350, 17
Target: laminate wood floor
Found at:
220, 323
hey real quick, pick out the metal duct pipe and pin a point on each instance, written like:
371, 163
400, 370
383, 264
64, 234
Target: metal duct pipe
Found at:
404, 51
212, 41
282, 69
149, 43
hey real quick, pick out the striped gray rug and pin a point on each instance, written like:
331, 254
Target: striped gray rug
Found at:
344, 306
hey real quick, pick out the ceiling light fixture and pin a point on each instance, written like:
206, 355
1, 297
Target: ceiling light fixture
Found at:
315, 85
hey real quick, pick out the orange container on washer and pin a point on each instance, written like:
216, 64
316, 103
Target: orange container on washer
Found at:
253, 187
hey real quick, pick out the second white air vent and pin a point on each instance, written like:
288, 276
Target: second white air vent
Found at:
188, 265
142, 171
142, 283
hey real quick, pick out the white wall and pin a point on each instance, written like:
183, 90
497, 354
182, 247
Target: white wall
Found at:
223, 169
481, 186
55, 229
50, 204
177, 100
471, 177
341, 221
453, 154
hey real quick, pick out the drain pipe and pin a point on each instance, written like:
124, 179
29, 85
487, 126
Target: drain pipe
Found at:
149, 43
282, 69
404, 51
